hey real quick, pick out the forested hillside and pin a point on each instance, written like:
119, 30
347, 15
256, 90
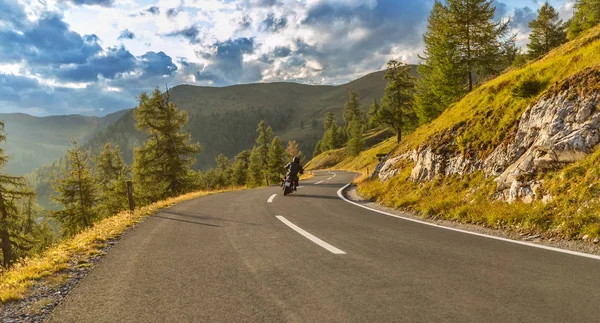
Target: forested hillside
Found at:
36, 141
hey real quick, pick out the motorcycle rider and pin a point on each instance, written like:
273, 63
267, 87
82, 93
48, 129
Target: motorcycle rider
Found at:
293, 169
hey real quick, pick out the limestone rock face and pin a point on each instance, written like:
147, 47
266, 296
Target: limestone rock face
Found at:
560, 128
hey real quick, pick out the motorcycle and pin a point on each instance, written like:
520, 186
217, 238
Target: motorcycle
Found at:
288, 186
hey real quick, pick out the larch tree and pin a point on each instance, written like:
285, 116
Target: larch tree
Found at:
239, 175
263, 145
293, 150
477, 35
442, 76
76, 192
162, 166
355, 138
373, 110
255, 169
223, 171
352, 109
547, 32
12, 188
277, 161
397, 111
111, 176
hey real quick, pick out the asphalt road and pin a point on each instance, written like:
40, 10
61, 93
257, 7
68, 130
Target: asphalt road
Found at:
311, 257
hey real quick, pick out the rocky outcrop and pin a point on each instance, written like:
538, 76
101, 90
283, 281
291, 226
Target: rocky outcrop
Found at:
560, 128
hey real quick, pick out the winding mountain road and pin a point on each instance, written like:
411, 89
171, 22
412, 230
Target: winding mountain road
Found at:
252, 256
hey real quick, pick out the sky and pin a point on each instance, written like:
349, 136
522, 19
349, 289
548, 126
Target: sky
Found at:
94, 57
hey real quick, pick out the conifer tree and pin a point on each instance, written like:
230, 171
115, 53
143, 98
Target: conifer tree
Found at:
397, 111
223, 171
293, 150
329, 120
111, 176
442, 76
477, 36
373, 111
317, 150
547, 32
263, 144
12, 188
277, 161
586, 16
162, 166
355, 141
255, 169
76, 193
239, 174
352, 110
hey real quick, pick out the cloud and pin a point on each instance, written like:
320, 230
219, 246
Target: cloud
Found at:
274, 24
190, 33
157, 64
226, 62
114, 61
501, 10
126, 34
102, 3
522, 17
153, 10
173, 12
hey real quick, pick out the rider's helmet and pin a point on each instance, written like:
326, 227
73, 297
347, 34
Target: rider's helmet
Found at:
296, 159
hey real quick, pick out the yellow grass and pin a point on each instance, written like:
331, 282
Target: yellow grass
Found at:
15, 282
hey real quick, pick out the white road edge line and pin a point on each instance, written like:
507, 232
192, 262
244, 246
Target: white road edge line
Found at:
330, 178
300, 187
529, 244
310, 237
270, 200
318, 182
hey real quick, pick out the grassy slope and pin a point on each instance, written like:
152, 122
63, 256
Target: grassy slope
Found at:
481, 121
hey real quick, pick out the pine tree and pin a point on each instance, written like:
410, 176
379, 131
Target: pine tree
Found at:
12, 188
293, 150
263, 144
397, 111
255, 169
373, 111
162, 166
547, 32
239, 174
223, 171
355, 141
478, 36
329, 120
317, 150
587, 15
76, 193
277, 161
352, 109
442, 76
111, 176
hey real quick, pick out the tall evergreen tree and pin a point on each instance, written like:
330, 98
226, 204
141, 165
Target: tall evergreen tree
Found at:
478, 36
373, 111
355, 141
442, 76
255, 169
12, 188
162, 166
293, 150
263, 144
352, 110
111, 176
223, 171
76, 193
547, 32
277, 161
397, 111
586, 16
239, 174
329, 120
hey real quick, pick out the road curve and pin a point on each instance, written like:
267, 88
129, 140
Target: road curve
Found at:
231, 258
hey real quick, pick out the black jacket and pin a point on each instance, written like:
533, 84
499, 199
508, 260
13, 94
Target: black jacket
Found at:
294, 169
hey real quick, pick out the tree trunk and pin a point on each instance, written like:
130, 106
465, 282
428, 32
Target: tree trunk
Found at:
398, 136
6, 246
